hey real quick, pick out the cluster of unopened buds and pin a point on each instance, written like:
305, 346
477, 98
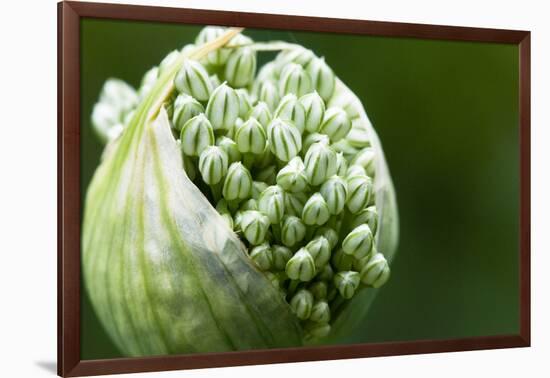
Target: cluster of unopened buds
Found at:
279, 161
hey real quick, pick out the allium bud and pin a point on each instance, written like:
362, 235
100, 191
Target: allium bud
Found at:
241, 67
322, 77
341, 165
230, 148
223, 107
346, 283
196, 135
267, 175
215, 80
254, 226
294, 80
358, 242
269, 94
313, 138
335, 191
299, 55
250, 137
185, 108
238, 182
355, 170
320, 163
315, 210
292, 177
319, 290
301, 304
341, 260
367, 216
245, 104
284, 139
167, 61
119, 95
319, 249
249, 204
281, 255
262, 256
320, 312
293, 230
301, 266
192, 79
257, 188
360, 190
207, 34
261, 112
294, 203
189, 167
272, 203
291, 110
336, 124
376, 272
213, 163
365, 158
314, 108
328, 233
316, 330
326, 274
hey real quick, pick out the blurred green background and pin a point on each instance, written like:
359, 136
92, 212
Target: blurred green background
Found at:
447, 115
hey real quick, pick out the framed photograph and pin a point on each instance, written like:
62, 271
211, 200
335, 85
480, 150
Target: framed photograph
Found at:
241, 188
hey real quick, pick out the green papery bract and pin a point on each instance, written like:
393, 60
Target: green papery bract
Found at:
254, 226
284, 139
301, 304
314, 108
213, 163
223, 107
245, 104
376, 272
292, 177
291, 110
336, 124
322, 77
293, 230
319, 249
367, 216
281, 255
347, 283
261, 112
230, 148
241, 67
272, 203
196, 135
334, 191
315, 210
193, 80
320, 163
294, 80
238, 182
250, 137
185, 108
208, 34
359, 242
360, 189
269, 95
301, 266
320, 312
262, 256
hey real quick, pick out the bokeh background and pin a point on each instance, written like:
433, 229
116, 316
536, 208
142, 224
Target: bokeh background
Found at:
447, 115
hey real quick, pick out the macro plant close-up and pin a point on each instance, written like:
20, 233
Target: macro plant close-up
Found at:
237, 206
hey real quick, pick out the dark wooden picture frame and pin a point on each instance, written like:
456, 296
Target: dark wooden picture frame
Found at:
69, 274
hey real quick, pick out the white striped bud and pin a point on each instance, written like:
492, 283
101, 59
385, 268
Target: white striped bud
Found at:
285, 140
320, 163
292, 177
291, 110
213, 163
193, 79
272, 203
293, 230
335, 191
314, 108
360, 190
336, 124
238, 182
322, 77
241, 67
347, 283
376, 272
196, 135
301, 266
359, 242
250, 137
294, 79
315, 210
185, 108
223, 107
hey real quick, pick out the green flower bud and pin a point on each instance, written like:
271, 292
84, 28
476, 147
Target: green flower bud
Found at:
291, 110
257, 188
267, 72
223, 107
313, 138
241, 67
314, 108
359, 264
315, 211
284, 139
261, 113
254, 226
301, 304
222, 207
319, 249
328, 233
237, 218
250, 204
264, 159
358, 136
322, 77
273, 278
320, 163
345, 148
269, 94
360, 189
167, 61
196, 135
189, 167
358, 242
335, 191
336, 124
294, 80
219, 56
326, 274
188, 48
105, 118
355, 170
185, 108
120, 95
342, 261
228, 219
262, 256
294, 203
293, 230
281, 255
365, 158
272, 203
319, 290
376, 272
193, 80
245, 104
298, 55
148, 81
367, 216
215, 80
316, 330
213, 163
240, 40
347, 283
320, 312
292, 177
341, 165
238, 182
250, 137
268, 175
230, 148
301, 266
